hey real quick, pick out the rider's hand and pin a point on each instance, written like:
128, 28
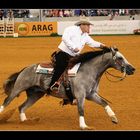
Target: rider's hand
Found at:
102, 46
76, 50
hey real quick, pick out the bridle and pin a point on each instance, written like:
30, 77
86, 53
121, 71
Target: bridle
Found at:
119, 78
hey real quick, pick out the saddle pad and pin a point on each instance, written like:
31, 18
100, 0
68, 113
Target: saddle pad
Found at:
71, 72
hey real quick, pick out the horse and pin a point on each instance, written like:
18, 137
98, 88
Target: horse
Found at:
85, 84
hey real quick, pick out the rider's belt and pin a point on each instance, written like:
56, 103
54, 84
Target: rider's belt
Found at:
59, 50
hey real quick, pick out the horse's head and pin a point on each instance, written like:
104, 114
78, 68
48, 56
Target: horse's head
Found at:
120, 62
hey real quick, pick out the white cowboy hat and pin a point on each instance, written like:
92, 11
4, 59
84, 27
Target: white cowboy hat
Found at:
83, 20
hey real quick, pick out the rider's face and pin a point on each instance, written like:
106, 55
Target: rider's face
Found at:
85, 28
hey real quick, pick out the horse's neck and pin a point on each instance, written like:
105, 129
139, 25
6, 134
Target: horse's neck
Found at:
98, 65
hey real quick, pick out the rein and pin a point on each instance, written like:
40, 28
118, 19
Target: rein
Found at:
119, 77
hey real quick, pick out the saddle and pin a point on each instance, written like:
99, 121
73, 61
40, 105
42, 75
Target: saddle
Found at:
46, 65
47, 68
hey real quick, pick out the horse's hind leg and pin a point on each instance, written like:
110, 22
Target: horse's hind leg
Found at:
32, 97
9, 99
99, 100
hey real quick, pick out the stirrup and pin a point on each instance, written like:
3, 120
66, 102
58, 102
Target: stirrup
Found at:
55, 87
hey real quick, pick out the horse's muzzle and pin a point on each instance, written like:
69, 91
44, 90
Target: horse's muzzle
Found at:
129, 70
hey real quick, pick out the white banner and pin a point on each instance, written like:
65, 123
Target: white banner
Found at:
106, 26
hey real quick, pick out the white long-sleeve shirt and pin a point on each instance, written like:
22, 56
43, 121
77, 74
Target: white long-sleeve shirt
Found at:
73, 37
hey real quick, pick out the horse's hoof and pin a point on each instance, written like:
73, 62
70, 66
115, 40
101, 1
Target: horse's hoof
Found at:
7, 115
64, 102
74, 102
114, 119
1, 109
61, 103
88, 128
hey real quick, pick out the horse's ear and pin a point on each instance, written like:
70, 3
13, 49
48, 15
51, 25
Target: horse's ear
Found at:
113, 50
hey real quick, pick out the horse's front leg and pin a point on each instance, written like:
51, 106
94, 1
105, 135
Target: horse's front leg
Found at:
99, 100
80, 105
111, 114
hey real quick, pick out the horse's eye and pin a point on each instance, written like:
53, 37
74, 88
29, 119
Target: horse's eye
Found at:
120, 58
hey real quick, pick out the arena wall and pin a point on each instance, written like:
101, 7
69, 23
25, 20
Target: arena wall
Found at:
106, 26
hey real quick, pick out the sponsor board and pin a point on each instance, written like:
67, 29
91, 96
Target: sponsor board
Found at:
35, 28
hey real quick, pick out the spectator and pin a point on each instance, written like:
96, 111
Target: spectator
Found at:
83, 13
111, 16
55, 12
10, 15
46, 13
126, 12
77, 12
92, 12
27, 13
98, 12
5, 13
121, 12
104, 13
60, 13
116, 13
71, 13
66, 13
50, 13
1, 14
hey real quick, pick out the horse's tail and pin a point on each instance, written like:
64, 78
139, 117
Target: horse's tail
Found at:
9, 83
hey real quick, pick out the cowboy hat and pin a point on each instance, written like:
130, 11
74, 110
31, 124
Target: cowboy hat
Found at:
83, 20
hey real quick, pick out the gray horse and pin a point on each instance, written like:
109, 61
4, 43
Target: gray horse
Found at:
84, 85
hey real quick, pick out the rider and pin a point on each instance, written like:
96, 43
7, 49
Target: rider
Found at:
73, 40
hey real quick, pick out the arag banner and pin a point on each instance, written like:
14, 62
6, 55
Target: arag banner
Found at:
35, 28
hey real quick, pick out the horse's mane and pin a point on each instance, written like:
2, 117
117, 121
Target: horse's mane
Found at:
82, 58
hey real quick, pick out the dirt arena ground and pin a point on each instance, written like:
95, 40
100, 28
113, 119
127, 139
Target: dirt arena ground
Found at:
16, 53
